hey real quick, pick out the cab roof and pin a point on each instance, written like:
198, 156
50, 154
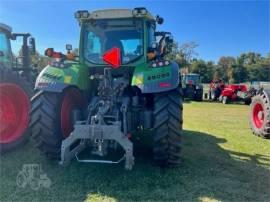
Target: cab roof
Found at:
5, 28
115, 14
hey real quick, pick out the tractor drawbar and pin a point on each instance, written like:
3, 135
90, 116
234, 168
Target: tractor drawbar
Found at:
100, 129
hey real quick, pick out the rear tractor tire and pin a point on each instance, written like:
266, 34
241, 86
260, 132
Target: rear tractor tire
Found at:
199, 95
51, 119
260, 114
15, 93
167, 127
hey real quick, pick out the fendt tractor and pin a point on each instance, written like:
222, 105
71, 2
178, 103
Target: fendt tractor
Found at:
192, 87
16, 88
119, 85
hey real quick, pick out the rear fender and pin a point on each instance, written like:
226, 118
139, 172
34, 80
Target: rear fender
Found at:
158, 79
56, 79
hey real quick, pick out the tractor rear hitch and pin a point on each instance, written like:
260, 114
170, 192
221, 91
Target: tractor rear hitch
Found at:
83, 132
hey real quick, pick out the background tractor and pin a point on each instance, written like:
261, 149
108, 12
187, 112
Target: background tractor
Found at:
16, 88
192, 87
119, 84
226, 93
234, 92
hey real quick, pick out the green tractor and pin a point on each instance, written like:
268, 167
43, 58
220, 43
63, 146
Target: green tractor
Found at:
192, 87
16, 88
119, 87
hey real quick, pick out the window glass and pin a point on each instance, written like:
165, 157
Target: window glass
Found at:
102, 35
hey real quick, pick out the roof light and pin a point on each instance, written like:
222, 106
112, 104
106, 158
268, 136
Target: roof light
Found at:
85, 14
135, 12
143, 11
82, 14
77, 14
139, 11
154, 65
160, 63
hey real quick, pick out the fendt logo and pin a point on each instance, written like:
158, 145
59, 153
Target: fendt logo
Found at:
158, 76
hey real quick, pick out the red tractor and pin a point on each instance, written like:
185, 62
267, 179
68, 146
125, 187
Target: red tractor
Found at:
231, 92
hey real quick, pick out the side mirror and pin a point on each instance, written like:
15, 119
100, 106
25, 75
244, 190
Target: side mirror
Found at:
2, 54
32, 45
68, 47
169, 39
169, 43
159, 20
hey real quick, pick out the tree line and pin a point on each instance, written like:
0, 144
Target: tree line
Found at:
246, 67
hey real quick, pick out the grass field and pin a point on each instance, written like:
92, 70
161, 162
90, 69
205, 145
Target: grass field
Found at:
222, 161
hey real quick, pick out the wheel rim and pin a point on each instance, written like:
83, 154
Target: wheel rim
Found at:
71, 100
14, 108
258, 115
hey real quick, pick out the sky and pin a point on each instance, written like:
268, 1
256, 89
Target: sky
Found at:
221, 28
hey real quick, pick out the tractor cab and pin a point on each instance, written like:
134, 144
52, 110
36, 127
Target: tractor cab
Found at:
5, 47
132, 32
28, 48
190, 79
124, 40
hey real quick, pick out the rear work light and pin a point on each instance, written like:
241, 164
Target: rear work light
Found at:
160, 63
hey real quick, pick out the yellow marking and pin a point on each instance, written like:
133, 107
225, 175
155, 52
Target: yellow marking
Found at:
138, 79
67, 79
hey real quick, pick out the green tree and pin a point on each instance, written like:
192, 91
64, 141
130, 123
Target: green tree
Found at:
205, 69
225, 65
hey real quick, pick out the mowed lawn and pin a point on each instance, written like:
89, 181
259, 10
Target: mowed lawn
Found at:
221, 161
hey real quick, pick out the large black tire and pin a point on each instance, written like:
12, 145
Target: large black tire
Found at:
46, 120
199, 95
20, 92
214, 94
168, 122
260, 114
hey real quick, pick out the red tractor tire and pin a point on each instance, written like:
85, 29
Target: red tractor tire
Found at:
51, 120
15, 93
260, 114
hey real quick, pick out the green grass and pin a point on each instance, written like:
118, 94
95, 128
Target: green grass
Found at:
222, 161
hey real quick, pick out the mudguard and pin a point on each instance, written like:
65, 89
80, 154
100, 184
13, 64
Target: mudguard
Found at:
55, 79
156, 79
